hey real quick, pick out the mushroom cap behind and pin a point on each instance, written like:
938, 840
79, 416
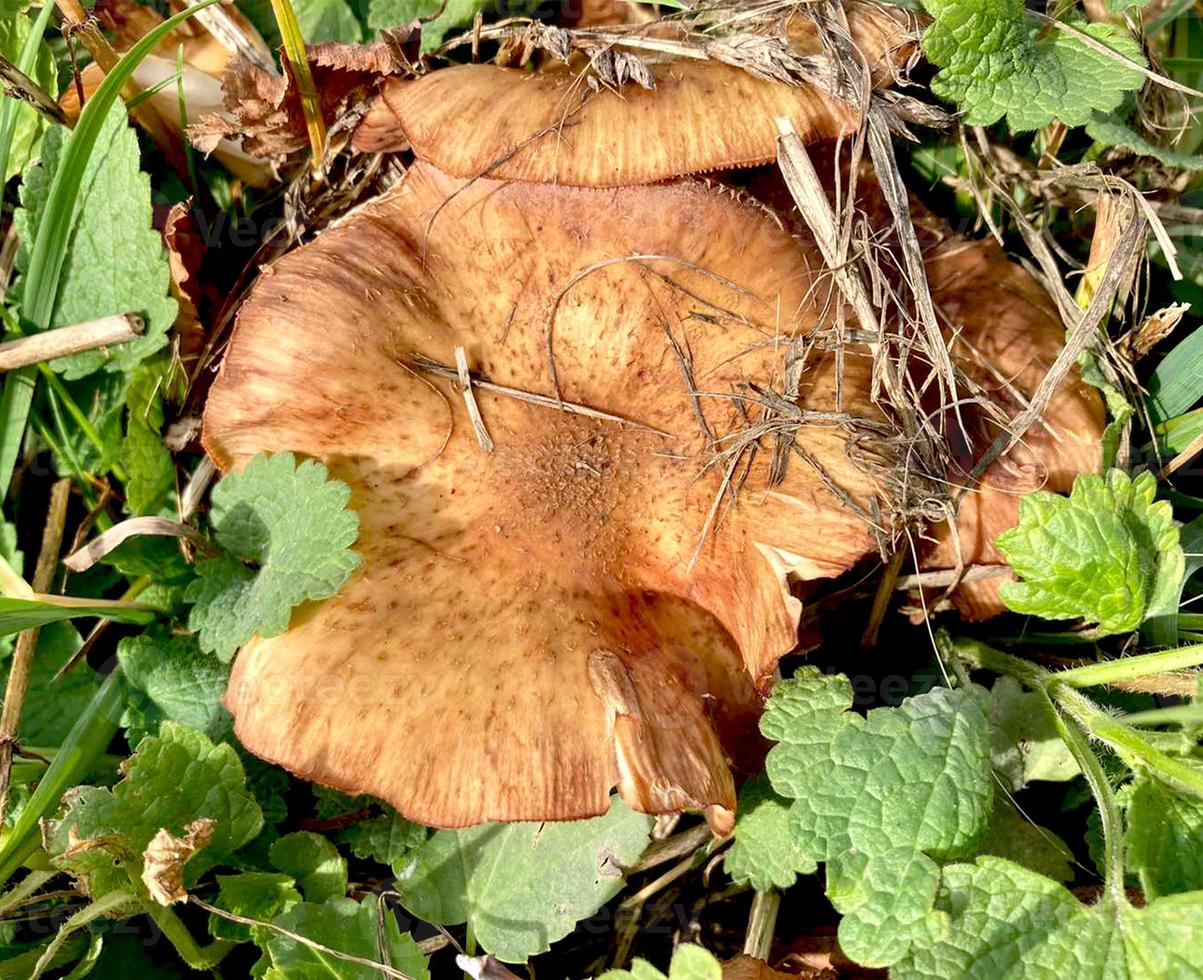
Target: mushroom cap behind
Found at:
550, 126
582, 607
1006, 335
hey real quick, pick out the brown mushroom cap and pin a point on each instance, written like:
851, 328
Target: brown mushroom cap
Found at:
534, 625
550, 126
1008, 334
746, 967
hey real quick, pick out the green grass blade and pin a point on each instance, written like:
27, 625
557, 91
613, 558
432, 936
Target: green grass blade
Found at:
18, 388
298, 61
54, 232
1177, 382
18, 614
29, 55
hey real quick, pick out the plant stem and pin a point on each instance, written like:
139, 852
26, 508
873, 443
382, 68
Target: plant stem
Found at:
984, 657
27, 641
1179, 714
21, 967
112, 904
762, 923
1078, 743
49, 344
197, 957
1130, 668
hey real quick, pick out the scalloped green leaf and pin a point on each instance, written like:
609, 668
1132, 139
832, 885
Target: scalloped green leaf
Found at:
996, 62
882, 799
1108, 553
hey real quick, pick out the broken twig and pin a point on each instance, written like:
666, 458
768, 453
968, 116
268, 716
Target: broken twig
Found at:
61, 341
27, 641
465, 386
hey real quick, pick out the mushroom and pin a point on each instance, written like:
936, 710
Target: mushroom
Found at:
702, 115
563, 396
1007, 335
601, 597
1004, 334
744, 967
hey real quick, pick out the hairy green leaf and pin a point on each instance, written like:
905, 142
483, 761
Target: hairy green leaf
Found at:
313, 862
1165, 838
522, 886
1012, 835
996, 62
385, 839
327, 20
1108, 553
150, 472
115, 261
344, 925
1110, 129
258, 895
882, 799
689, 962
1009, 922
439, 18
1024, 744
182, 683
292, 521
764, 853
171, 780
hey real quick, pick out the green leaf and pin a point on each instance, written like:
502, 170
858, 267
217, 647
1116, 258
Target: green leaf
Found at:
101, 398
42, 280
453, 15
150, 471
314, 863
1177, 381
293, 522
1108, 553
1013, 836
347, 926
995, 62
171, 780
764, 853
258, 895
12, 554
689, 962
1009, 922
385, 839
21, 614
184, 684
81, 748
327, 20
1111, 130
330, 804
51, 707
522, 886
1165, 839
881, 798
28, 124
114, 260
1024, 744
